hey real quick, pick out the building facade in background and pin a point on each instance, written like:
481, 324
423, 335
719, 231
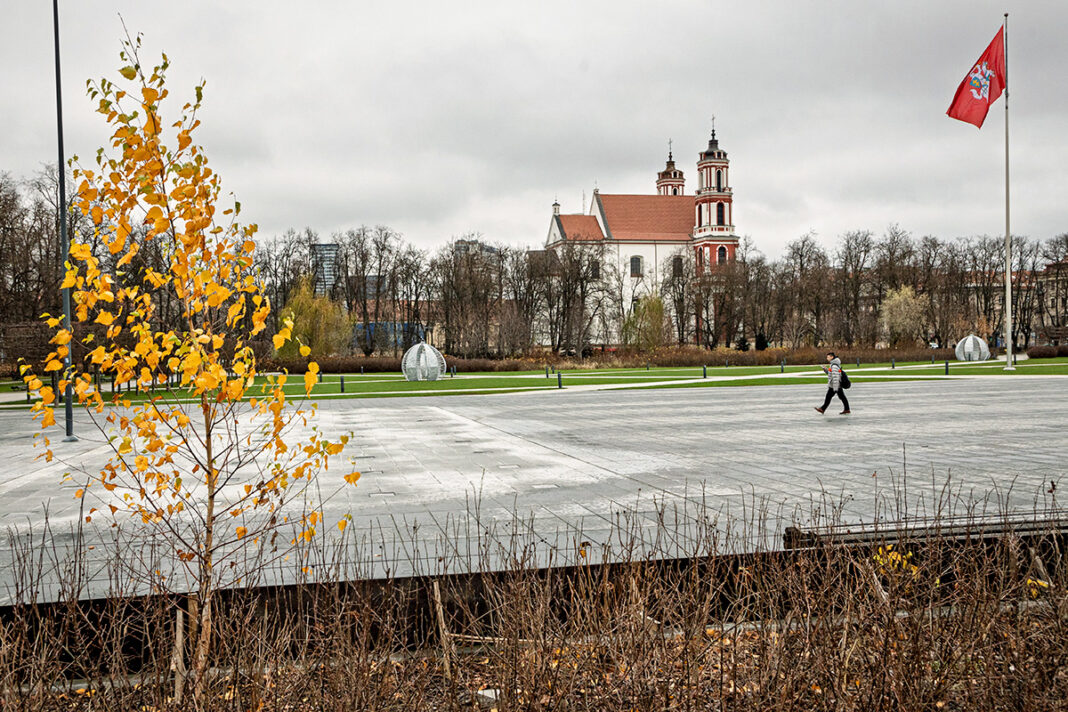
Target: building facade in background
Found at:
651, 238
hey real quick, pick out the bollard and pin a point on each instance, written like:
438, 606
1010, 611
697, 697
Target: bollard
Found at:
454, 370
726, 363
932, 360
947, 366
361, 370
704, 372
559, 380
893, 363
782, 367
858, 361
343, 383
646, 366
320, 376
546, 370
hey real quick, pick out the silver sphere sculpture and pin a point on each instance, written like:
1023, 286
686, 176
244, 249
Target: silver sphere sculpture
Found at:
422, 362
972, 348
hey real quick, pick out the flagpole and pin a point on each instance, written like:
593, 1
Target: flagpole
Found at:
1008, 235
64, 238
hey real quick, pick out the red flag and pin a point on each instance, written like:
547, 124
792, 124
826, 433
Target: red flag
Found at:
982, 86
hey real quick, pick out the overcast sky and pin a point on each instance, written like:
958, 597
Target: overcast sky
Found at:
438, 121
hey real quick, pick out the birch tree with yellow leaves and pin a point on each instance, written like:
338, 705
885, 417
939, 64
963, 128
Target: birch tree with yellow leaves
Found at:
203, 454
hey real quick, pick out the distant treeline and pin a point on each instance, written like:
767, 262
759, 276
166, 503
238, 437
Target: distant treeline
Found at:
473, 298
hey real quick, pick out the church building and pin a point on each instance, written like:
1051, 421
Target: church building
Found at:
644, 234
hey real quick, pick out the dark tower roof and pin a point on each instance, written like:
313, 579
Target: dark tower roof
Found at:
713, 150
670, 171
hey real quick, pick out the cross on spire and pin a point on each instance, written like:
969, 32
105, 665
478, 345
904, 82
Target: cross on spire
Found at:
713, 125
669, 149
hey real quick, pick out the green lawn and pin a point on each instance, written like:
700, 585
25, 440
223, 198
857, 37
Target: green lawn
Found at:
377, 385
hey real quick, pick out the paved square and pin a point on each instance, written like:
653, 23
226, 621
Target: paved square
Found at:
556, 467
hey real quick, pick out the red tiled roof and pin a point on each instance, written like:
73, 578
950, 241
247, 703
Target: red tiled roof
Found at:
649, 217
581, 227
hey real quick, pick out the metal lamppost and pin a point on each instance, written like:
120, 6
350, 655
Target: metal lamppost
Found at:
64, 241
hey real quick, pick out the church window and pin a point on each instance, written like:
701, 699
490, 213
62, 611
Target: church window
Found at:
674, 191
676, 266
719, 180
720, 214
635, 266
721, 255
595, 270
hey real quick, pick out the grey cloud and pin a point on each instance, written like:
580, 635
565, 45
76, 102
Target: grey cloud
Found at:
439, 121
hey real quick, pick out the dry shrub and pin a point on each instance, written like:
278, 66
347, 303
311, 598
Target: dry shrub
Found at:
963, 613
669, 357
1044, 352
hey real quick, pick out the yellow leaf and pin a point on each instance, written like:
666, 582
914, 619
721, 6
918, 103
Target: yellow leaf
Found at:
115, 246
309, 381
128, 72
313, 367
241, 532
105, 318
341, 525
79, 493
305, 350
125, 447
352, 478
279, 341
80, 251
97, 214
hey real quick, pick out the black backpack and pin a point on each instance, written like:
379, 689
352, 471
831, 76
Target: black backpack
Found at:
845, 382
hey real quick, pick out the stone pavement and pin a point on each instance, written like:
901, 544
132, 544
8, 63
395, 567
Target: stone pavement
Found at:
451, 483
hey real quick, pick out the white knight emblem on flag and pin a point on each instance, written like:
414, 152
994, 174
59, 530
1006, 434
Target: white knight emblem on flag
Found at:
979, 80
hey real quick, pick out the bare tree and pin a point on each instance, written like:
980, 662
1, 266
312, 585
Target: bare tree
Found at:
807, 268
411, 296
524, 275
575, 295
1052, 287
852, 279
678, 292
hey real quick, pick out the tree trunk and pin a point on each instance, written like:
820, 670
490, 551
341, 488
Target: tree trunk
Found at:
206, 586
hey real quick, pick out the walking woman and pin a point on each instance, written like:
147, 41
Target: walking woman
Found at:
834, 384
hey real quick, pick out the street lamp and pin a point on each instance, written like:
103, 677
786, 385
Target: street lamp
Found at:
64, 242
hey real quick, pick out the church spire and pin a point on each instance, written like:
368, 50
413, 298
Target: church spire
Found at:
670, 181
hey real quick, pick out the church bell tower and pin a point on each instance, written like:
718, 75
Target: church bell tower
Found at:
713, 232
670, 181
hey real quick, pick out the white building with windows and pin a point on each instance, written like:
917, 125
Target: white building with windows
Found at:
641, 233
